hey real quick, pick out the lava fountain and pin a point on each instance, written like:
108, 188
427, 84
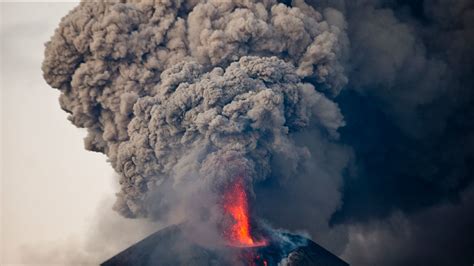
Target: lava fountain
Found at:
235, 205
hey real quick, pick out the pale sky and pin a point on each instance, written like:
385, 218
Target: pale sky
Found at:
51, 187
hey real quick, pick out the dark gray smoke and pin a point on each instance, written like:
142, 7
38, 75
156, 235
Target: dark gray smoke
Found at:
184, 96
408, 109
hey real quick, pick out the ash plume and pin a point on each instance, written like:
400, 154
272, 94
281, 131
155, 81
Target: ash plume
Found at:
185, 96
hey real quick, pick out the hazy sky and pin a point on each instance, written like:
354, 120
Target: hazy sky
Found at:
51, 187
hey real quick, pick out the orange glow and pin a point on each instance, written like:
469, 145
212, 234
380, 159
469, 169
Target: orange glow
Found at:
236, 205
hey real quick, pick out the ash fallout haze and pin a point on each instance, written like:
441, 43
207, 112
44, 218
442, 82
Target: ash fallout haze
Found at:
258, 125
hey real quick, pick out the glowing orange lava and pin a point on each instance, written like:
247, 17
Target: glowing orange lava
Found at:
236, 205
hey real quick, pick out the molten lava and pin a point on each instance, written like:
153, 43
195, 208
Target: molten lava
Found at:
236, 205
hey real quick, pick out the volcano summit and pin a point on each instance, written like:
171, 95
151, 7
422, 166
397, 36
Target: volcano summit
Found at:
165, 248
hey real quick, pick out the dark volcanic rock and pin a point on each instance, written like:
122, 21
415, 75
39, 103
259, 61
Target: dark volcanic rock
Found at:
169, 246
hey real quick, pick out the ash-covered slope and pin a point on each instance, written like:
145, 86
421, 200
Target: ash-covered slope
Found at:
170, 246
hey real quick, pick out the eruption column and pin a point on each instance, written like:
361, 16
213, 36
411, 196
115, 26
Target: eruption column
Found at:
158, 84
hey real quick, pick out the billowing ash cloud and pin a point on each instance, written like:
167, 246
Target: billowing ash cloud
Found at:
185, 96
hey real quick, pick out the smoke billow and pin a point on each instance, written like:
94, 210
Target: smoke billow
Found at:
186, 96
204, 129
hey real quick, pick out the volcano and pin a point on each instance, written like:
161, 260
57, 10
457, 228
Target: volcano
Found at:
170, 246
